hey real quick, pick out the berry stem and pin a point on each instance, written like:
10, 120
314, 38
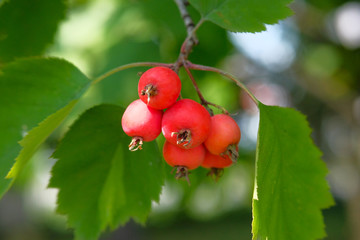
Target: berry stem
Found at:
223, 110
203, 101
190, 65
130, 65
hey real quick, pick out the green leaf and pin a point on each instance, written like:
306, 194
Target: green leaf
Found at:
290, 187
101, 183
243, 15
2, 2
30, 91
32, 141
27, 27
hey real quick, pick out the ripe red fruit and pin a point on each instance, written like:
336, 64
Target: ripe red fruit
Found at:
183, 159
159, 87
216, 161
189, 158
141, 122
186, 124
224, 136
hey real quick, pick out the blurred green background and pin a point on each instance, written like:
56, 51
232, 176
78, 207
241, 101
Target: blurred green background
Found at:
310, 61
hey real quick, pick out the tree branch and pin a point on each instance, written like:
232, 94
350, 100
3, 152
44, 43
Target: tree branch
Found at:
189, 24
191, 39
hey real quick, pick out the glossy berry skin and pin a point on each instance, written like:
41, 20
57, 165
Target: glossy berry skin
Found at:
186, 124
139, 120
159, 87
216, 161
189, 158
224, 132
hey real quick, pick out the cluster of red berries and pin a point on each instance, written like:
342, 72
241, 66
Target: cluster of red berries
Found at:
193, 137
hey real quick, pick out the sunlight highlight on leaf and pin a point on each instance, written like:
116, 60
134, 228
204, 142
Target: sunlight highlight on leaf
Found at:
30, 90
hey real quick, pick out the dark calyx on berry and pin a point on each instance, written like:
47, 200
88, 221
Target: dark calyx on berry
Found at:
149, 90
183, 136
136, 143
232, 152
215, 173
181, 172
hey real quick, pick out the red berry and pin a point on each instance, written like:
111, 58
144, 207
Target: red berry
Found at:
183, 159
186, 124
216, 161
159, 87
141, 122
224, 136
189, 158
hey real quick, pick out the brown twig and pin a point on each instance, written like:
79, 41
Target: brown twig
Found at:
191, 39
190, 65
203, 101
189, 24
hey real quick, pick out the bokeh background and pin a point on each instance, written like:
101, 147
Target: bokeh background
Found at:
310, 61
